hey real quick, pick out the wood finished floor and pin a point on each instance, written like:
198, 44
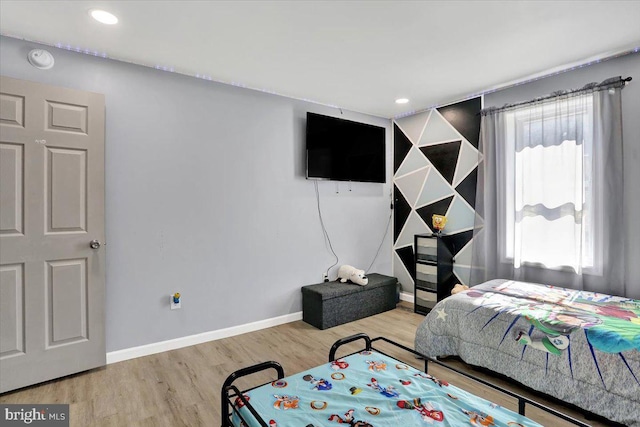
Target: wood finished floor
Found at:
182, 387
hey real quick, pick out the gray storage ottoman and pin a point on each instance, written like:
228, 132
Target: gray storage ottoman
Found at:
329, 304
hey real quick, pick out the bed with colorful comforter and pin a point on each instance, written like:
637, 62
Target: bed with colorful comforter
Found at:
370, 389
580, 347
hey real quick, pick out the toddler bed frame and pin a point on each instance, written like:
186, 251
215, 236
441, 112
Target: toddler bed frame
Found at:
231, 393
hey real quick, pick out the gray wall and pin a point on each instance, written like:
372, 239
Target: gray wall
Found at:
205, 195
624, 66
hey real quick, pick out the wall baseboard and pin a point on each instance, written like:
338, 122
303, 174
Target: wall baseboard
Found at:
406, 296
159, 347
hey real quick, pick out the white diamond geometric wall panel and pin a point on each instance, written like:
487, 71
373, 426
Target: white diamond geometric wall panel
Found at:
411, 184
412, 126
467, 161
460, 216
435, 188
414, 225
462, 273
438, 130
415, 160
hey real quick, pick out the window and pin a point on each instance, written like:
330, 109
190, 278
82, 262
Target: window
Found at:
549, 211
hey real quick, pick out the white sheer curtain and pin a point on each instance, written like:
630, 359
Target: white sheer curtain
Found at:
549, 197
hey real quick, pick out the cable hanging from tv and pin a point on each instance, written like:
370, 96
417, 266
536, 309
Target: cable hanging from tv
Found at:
324, 229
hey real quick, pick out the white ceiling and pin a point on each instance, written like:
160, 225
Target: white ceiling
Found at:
357, 55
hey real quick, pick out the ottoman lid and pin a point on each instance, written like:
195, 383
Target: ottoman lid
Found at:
330, 290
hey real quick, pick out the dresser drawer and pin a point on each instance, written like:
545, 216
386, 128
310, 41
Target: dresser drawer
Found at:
426, 299
427, 249
427, 276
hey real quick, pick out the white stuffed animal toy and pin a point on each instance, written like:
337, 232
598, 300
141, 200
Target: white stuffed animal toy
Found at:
347, 272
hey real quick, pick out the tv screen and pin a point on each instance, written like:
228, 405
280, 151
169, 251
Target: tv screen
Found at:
342, 150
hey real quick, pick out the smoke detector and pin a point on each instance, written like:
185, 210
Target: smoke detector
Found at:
41, 59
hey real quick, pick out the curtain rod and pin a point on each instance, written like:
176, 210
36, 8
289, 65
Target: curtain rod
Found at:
613, 82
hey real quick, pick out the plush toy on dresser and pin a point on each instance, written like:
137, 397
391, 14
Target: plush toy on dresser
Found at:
352, 274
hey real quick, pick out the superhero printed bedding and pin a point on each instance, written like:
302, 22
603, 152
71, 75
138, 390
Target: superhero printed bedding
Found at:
369, 389
581, 347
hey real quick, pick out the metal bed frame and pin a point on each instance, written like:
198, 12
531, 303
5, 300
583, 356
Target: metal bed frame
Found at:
231, 392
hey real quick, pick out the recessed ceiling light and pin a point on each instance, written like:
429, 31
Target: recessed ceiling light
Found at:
104, 17
402, 101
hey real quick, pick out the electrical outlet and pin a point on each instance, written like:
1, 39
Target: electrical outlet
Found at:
325, 277
175, 305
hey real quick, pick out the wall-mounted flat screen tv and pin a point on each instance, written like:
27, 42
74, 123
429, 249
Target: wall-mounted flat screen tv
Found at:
343, 150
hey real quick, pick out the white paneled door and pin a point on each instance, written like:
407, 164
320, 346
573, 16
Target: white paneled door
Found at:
52, 257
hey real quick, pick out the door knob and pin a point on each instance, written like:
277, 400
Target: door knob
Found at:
95, 244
